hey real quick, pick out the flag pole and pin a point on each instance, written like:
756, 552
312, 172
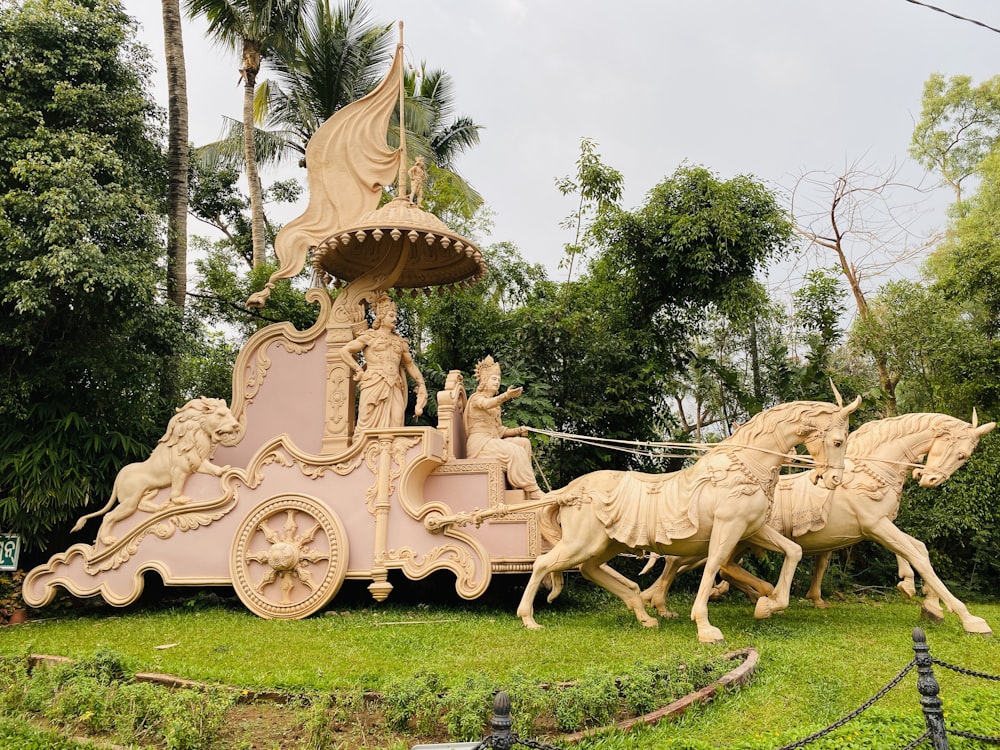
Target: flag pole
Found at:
402, 123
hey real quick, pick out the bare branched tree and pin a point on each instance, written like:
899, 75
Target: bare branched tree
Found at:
865, 220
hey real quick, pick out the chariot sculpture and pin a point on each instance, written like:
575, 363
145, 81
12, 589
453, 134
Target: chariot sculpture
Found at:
311, 476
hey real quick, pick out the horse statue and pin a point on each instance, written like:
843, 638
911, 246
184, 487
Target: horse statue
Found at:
879, 457
706, 509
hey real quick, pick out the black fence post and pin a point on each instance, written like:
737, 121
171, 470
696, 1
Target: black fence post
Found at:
501, 736
928, 688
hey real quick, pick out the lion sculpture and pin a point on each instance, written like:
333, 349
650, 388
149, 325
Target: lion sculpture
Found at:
191, 436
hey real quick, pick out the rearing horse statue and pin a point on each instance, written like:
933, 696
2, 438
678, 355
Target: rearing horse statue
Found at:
880, 455
706, 509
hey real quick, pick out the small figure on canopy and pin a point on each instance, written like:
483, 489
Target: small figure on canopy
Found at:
418, 176
486, 435
382, 402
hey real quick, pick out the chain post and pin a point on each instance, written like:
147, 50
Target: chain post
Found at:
928, 688
501, 736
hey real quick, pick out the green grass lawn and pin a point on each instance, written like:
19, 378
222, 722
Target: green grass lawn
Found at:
815, 665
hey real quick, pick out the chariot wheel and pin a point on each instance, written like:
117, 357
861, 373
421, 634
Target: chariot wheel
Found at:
289, 557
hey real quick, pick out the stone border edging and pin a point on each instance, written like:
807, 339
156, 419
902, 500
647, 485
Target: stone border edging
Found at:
738, 676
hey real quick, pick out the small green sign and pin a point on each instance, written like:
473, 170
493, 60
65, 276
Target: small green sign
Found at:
10, 550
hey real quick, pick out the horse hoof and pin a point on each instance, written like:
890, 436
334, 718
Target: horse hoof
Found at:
710, 635
977, 626
668, 613
764, 608
821, 604
652, 622
907, 588
532, 625
932, 615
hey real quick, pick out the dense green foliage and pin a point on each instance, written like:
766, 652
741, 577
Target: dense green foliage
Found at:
85, 336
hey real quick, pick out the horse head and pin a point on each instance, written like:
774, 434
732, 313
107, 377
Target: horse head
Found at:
953, 443
825, 436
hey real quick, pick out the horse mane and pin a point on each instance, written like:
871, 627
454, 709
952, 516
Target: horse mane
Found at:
865, 439
763, 423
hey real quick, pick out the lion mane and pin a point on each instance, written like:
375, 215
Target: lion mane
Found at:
185, 449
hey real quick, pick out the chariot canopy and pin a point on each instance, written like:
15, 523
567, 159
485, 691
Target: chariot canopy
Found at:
349, 163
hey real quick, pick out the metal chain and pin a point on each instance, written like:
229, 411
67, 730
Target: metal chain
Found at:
919, 741
855, 713
505, 743
973, 736
512, 740
963, 670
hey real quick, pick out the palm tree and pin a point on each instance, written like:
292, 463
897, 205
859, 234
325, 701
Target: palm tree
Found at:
435, 96
257, 29
177, 153
431, 100
341, 55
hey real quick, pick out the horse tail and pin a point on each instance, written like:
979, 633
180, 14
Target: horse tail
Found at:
548, 523
83, 519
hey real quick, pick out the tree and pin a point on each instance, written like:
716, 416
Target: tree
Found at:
959, 125
257, 29
606, 346
432, 133
338, 57
599, 188
966, 263
222, 283
819, 310
697, 241
944, 364
177, 153
859, 218
86, 334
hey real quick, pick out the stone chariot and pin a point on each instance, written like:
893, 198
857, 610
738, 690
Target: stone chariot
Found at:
310, 477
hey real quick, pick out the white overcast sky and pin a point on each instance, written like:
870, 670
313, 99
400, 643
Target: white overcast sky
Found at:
770, 88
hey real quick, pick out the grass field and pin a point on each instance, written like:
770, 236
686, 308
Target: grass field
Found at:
815, 665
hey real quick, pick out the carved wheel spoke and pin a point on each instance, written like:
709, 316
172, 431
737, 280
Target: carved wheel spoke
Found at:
309, 535
269, 535
260, 557
312, 555
281, 574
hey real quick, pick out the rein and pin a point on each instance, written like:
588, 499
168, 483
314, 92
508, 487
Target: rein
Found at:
653, 449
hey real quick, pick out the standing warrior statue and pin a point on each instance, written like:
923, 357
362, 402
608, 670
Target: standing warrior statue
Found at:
486, 435
418, 176
382, 402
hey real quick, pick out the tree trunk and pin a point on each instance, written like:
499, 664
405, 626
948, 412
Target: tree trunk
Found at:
251, 66
177, 153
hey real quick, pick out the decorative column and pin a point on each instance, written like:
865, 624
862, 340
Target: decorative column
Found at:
380, 586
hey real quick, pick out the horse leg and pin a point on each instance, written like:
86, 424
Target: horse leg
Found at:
627, 590
769, 538
906, 583
656, 594
915, 553
549, 563
556, 584
726, 534
745, 581
583, 538
815, 594
930, 607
